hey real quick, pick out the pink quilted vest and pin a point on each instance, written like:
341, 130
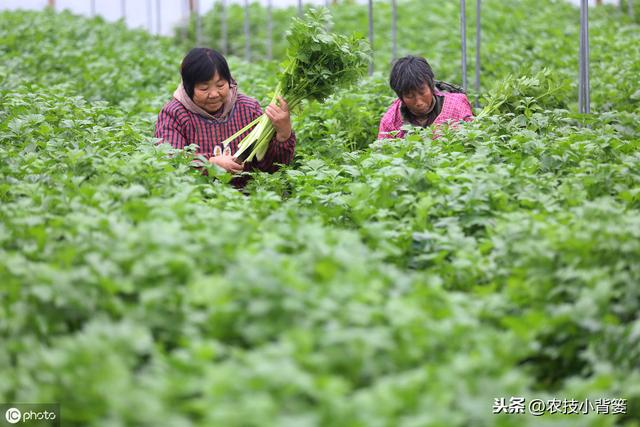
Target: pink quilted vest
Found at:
455, 108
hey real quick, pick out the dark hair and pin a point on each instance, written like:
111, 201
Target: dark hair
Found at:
409, 74
448, 87
200, 65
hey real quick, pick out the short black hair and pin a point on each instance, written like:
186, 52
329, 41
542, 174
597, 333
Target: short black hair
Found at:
409, 74
200, 65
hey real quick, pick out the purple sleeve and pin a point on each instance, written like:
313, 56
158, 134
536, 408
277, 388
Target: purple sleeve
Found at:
169, 129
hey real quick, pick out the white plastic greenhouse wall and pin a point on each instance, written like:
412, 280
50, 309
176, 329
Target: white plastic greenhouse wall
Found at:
137, 11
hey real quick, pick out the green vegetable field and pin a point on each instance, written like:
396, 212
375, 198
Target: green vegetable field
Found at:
404, 283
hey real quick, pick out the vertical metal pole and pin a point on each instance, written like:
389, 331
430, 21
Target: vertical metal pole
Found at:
149, 16
93, 7
158, 16
198, 23
300, 7
394, 29
223, 26
581, 63
587, 58
269, 31
247, 34
326, 3
463, 37
123, 9
477, 103
630, 8
371, 35
584, 102
185, 14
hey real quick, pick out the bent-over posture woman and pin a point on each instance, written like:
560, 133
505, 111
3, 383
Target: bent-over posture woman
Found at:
422, 101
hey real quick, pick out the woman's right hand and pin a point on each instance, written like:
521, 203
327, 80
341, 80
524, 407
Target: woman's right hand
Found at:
227, 163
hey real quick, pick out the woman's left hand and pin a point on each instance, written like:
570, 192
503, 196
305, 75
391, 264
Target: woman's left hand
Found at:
280, 118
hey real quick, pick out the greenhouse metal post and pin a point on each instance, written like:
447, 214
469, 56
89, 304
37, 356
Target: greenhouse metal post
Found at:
247, 34
93, 7
583, 89
198, 22
463, 38
300, 7
185, 13
478, 8
223, 25
371, 35
326, 5
269, 30
630, 8
123, 9
394, 29
158, 16
149, 16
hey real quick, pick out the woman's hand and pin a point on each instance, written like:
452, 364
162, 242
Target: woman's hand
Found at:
280, 118
227, 163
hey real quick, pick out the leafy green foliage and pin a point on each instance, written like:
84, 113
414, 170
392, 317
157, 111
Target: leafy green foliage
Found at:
318, 63
519, 37
95, 59
404, 283
526, 95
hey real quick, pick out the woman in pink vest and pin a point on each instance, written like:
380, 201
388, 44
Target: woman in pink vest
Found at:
421, 100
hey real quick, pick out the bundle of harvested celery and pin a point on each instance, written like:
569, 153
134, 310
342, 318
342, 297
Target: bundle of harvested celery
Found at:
318, 62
